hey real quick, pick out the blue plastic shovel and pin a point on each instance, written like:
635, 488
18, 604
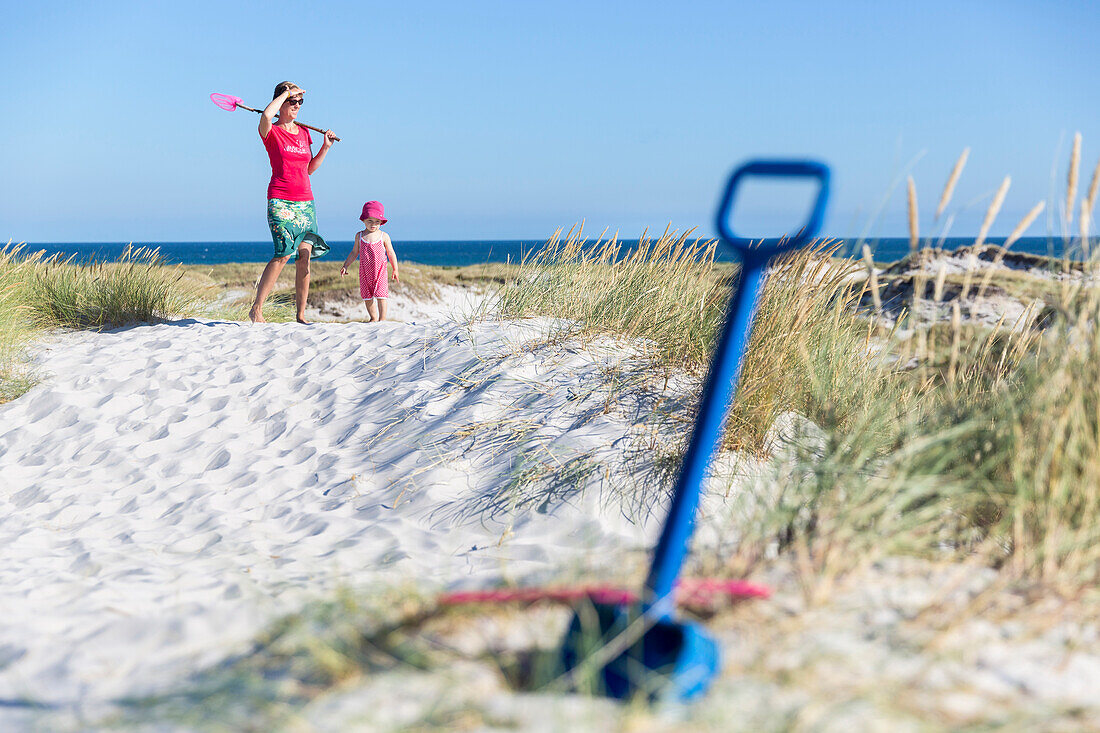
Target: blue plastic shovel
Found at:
624, 651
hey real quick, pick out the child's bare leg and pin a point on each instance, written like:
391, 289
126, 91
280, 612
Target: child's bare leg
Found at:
301, 282
372, 309
381, 309
264, 288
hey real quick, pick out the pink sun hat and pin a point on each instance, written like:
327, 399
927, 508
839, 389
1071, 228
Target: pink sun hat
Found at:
373, 210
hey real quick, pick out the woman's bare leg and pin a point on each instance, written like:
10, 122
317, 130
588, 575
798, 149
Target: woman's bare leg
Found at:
301, 282
381, 309
264, 288
372, 309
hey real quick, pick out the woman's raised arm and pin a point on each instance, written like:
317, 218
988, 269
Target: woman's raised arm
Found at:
268, 115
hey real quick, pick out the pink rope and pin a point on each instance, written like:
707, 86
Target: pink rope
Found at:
693, 592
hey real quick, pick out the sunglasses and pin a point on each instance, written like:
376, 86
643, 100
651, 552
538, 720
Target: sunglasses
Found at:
299, 101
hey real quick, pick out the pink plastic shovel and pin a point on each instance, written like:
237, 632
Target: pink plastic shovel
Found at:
229, 103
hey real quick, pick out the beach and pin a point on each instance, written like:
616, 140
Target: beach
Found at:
721, 384
211, 524
173, 488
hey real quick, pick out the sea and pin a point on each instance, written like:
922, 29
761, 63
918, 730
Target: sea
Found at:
474, 252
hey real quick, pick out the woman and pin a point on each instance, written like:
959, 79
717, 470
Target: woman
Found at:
290, 211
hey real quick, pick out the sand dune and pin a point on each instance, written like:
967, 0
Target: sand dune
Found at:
169, 489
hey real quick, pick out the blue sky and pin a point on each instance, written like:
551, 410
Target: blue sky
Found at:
509, 119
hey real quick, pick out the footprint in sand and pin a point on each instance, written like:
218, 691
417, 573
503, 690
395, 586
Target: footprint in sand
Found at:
276, 426
27, 497
303, 454
196, 543
274, 511
310, 526
220, 460
218, 404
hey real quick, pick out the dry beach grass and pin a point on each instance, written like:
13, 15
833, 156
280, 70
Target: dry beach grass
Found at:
39, 293
908, 460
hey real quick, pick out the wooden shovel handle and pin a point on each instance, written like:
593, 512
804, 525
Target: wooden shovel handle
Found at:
308, 127
316, 129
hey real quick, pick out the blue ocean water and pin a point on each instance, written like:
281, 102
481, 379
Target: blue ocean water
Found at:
457, 253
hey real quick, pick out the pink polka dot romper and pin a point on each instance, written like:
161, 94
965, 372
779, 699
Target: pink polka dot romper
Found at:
372, 269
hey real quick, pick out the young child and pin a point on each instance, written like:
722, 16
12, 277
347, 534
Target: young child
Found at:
373, 248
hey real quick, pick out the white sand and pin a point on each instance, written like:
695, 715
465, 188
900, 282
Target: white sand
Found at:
170, 489
448, 302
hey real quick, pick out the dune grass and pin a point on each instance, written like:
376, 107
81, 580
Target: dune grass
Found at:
16, 329
995, 459
664, 293
138, 288
991, 455
937, 437
671, 296
326, 282
39, 293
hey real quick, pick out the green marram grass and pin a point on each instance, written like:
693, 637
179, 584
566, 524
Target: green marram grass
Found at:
669, 295
999, 464
138, 288
38, 293
951, 440
16, 329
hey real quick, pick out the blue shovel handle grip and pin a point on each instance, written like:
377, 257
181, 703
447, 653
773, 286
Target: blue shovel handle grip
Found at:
722, 377
775, 169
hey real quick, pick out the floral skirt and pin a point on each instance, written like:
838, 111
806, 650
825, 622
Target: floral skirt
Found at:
292, 224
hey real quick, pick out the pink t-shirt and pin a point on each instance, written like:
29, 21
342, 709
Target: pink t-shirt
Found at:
289, 156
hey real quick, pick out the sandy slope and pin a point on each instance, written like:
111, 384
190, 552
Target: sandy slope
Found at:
447, 301
169, 489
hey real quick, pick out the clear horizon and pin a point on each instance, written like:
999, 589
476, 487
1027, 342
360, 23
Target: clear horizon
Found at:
496, 120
